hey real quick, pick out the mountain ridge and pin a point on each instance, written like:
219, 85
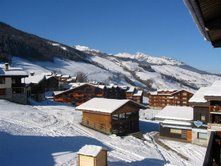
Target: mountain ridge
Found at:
147, 72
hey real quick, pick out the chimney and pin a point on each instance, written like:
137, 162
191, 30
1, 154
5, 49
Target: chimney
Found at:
32, 73
6, 66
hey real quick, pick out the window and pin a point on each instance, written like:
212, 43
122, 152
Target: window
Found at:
2, 92
175, 131
203, 118
202, 135
2, 80
122, 116
184, 93
115, 117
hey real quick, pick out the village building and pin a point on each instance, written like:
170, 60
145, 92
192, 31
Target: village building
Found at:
162, 98
37, 85
134, 94
138, 96
206, 103
11, 87
176, 122
111, 116
92, 155
129, 93
114, 92
52, 83
79, 93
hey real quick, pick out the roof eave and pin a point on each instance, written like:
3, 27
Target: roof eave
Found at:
195, 12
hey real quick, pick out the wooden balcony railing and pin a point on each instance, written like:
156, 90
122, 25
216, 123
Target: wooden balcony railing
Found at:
215, 108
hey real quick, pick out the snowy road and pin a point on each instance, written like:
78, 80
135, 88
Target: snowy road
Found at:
52, 134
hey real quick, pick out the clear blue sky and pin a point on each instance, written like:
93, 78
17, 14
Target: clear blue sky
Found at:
155, 27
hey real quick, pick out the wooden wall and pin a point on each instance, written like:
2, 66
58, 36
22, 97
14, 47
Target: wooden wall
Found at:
100, 122
127, 120
180, 98
185, 134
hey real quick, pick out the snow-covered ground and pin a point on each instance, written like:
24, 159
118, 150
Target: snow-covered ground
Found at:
48, 133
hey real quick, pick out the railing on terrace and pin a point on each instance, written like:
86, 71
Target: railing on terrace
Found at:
215, 108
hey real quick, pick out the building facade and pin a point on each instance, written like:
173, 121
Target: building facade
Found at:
11, 86
79, 94
176, 122
206, 104
162, 98
111, 116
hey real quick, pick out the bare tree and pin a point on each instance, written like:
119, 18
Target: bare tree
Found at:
81, 77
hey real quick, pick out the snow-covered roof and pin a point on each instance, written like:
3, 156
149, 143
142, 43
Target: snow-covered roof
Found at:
138, 93
176, 113
77, 85
35, 79
124, 87
167, 90
90, 150
58, 75
213, 91
101, 86
58, 92
176, 122
153, 93
48, 76
102, 105
65, 76
198, 97
12, 71
131, 89
177, 127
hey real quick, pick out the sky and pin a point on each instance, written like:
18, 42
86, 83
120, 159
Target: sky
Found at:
154, 27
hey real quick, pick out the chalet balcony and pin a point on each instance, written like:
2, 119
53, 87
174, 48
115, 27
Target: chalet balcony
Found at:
214, 108
214, 126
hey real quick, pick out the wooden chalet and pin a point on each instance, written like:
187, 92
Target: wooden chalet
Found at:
138, 96
162, 98
134, 94
52, 83
37, 85
11, 86
111, 116
115, 92
176, 122
79, 93
206, 103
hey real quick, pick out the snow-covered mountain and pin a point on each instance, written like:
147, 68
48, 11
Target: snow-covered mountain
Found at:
152, 72
37, 54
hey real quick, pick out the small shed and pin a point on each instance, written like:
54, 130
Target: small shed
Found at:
111, 116
92, 155
176, 122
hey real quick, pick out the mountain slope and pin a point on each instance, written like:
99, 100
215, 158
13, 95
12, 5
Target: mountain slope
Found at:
154, 72
18, 43
36, 54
